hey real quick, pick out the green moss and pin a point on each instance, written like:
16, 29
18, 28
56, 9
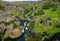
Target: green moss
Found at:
14, 12
50, 29
1, 7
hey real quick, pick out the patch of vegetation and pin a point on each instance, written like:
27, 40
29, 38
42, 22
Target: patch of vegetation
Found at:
49, 5
54, 16
39, 12
1, 7
50, 14
14, 12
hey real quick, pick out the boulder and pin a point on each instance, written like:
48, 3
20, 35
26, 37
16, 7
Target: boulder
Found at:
9, 17
2, 27
10, 27
6, 17
2, 17
15, 33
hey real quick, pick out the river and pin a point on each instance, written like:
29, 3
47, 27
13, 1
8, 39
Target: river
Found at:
22, 37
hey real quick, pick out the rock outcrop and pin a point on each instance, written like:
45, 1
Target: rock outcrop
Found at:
6, 17
2, 27
8, 23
